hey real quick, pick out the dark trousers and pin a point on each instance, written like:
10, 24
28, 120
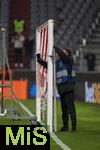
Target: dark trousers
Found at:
68, 109
18, 55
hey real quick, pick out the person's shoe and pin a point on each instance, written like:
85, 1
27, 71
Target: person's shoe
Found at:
64, 129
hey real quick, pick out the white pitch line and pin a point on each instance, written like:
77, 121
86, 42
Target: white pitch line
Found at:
59, 142
26, 109
52, 134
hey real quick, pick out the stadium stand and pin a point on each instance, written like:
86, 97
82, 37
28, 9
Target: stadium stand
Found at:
74, 22
68, 16
41, 11
75, 19
93, 41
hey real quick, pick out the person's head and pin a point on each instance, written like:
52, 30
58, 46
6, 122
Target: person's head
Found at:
68, 51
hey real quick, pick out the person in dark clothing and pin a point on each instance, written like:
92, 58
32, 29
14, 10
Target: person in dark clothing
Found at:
28, 44
90, 61
65, 76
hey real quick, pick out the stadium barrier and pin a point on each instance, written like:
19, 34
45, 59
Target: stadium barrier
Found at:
20, 88
97, 93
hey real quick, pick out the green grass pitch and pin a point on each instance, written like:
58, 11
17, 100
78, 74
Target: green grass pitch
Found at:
87, 136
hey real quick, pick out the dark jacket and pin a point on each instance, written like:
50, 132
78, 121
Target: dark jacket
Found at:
68, 60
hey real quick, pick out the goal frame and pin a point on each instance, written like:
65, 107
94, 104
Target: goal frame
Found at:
50, 24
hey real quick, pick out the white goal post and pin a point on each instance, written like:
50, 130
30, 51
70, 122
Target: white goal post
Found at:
44, 46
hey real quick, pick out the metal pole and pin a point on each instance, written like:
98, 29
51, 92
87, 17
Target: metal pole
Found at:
3, 68
10, 79
54, 94
38, 99
50, 74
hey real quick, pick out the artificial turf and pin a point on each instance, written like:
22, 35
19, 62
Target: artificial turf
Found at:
87, 136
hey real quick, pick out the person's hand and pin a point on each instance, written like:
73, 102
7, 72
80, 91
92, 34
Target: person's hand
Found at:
55, 47
38, 55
